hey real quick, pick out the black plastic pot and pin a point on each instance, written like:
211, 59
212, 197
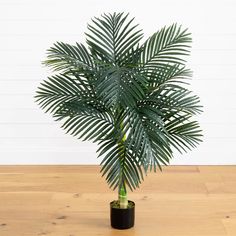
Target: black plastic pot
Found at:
122, 218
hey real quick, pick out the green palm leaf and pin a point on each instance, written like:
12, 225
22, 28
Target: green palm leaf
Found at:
87, 119
183, 134
120, 166
146, 137
56, 91
120, 87
63, 56
165, 47
111, 37
175, 74
170, 98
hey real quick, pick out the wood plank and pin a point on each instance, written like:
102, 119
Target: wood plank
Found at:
74, 201
230, 225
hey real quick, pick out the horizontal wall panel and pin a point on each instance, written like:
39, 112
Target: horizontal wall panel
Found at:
18, 101
66, 141
25, 116
78, 157
18, 87
31, 130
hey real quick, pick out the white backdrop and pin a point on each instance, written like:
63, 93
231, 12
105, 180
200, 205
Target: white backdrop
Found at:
28, 28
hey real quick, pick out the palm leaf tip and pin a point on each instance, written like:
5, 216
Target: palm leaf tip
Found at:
167, 46
112, 36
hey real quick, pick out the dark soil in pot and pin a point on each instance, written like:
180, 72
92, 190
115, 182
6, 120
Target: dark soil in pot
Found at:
122, 218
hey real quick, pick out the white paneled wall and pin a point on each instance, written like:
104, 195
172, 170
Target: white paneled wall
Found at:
28, 28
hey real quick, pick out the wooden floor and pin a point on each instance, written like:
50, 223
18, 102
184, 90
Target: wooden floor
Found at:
74, 201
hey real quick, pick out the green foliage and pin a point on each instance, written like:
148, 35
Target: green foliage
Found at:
127, 95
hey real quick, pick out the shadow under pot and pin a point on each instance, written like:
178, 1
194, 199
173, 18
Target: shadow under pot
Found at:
122, 218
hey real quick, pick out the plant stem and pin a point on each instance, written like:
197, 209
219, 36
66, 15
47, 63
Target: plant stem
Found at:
123, 201
122, 195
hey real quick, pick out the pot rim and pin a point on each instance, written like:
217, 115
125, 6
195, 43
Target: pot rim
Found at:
133, 205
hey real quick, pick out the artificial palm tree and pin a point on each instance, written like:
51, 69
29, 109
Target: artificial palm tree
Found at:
127, 94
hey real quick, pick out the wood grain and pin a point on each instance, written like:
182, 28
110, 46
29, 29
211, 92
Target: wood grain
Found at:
74, 201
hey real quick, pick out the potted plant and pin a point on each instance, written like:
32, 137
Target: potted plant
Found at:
129, 96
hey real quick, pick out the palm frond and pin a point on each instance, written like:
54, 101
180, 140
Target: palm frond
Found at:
112, 36
86, 119
176, 74
119, 165
146, 136
57, 90
171, 98
165, 47
120, 87
64, 57
183, 134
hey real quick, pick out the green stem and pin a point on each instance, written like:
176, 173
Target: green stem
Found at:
122, 195
123, 201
